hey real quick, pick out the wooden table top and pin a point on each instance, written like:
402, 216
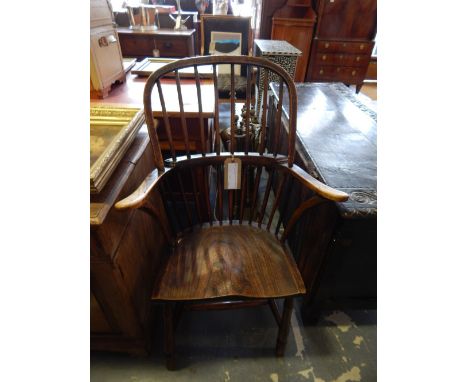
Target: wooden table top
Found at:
337, 135
131, 94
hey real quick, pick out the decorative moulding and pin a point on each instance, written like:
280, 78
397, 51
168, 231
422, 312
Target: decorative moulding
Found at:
112, 131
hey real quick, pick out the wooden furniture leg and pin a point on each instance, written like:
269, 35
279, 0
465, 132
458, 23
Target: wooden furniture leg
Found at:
169, 336
284, 327
358, 88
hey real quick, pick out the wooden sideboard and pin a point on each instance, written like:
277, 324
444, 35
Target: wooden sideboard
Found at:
125, 253
337, 143
343, 42
170, 43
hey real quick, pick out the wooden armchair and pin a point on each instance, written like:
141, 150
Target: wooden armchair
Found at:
227, 247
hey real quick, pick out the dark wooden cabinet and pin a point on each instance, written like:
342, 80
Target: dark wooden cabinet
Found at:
294, 22
170, 43
343, 42
125, 253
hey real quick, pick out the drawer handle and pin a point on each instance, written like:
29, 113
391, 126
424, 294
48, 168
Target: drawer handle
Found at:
327, 45
353, 72
338, 70
344, 45
168, 45
105, 41
324, 57
341, 56
321, 71
361, 46
358, 58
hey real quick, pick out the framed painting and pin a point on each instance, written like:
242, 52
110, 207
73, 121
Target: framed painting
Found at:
227, 43
151, 64
112, 131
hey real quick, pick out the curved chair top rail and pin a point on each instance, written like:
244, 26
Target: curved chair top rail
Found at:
195, 62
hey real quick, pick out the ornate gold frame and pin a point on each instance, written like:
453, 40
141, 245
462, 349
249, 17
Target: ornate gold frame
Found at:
102, 119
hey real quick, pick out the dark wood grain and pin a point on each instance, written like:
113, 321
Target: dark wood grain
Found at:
227, 260
170, 43
126, 248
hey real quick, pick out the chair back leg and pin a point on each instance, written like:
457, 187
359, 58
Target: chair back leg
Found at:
169, 343
284, 327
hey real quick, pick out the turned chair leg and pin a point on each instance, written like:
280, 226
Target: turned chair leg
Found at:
169, 345
284, 327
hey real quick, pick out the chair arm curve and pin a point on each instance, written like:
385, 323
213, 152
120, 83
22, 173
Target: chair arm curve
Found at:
137, 198
315, 185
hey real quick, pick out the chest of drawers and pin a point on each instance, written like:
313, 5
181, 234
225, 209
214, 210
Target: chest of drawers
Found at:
343, 42
340, 61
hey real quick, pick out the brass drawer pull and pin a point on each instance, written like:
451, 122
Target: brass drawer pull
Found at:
338, 70
324, 57
327, 45
321, 71
353, 72
358, 58
361, 46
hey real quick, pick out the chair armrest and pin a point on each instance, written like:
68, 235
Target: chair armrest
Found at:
137, 198
317, 186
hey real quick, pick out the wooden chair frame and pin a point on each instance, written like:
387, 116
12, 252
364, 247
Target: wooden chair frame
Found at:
186, 184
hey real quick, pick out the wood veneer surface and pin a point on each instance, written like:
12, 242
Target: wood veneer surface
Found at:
222, 261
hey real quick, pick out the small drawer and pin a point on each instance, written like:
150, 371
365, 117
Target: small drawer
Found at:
172, 47
338, 73
364, 47
136, 45
339, 59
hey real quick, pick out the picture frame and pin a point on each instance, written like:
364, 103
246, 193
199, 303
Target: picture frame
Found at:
112, 131
150, 64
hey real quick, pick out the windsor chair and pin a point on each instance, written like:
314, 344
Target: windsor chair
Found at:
227, 246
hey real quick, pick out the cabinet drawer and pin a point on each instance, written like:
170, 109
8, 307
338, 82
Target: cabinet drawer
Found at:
339, 73
172, 47
363, 47
335, 59
136, 45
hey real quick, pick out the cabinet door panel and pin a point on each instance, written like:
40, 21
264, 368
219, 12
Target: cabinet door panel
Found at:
106, 54
348, 19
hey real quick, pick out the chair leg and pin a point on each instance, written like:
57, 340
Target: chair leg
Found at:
168, 317
284, 327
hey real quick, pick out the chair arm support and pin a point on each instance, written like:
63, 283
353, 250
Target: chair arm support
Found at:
317, 186
138, 197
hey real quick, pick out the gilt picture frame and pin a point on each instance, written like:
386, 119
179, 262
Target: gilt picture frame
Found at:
112, 131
